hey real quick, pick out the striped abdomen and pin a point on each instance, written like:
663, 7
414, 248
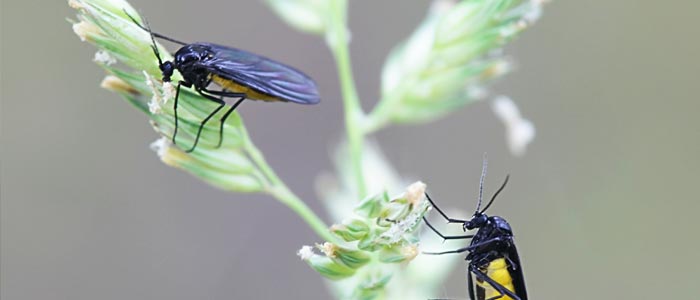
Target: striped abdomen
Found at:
497, 270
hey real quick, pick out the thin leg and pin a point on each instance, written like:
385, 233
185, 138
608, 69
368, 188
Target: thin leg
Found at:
201, 125
177, 96
225, 93
223, 120
496, 286
460, 250
511, 263
486, 242
208, 94
449, 220
446, 237
468, 248
204, 122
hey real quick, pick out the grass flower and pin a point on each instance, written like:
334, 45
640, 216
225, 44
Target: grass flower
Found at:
382, 231
454, 52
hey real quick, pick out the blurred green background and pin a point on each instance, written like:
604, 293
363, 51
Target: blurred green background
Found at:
604, 204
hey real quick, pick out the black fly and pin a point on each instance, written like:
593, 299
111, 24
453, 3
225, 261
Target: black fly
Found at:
492, 256
240, 74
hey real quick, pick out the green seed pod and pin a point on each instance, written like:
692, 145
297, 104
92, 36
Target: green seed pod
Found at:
375, 281
351, 258
369, 242
325, 265
398, 254
224, 180
371, 207
350, 230
329, 268
372, 286
394, 212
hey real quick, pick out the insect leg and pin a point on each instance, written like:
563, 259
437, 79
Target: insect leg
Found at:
511, 263
460, 250
486, 242
177, 96
223, 120
449, 220
446, 237
226, 93
496, 286
201, 125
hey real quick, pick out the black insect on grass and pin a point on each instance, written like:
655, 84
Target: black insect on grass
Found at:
493, 259
240, 75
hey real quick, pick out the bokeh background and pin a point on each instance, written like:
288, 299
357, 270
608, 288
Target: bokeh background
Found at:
604, 205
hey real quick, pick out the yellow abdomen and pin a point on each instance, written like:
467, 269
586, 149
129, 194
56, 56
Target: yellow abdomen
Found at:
498, 271
232, 86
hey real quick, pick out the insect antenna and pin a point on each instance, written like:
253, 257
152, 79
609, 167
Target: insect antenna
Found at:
147, 28
153, 45
153, 34
481, 184
496, 194
169, 39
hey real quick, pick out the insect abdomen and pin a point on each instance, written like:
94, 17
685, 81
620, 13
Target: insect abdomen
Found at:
232, 86
497, 270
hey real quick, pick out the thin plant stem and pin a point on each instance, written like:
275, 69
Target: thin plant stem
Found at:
377, 118
282, 193
338, 42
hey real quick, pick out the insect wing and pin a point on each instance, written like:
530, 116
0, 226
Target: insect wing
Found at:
262, 74
516, 272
